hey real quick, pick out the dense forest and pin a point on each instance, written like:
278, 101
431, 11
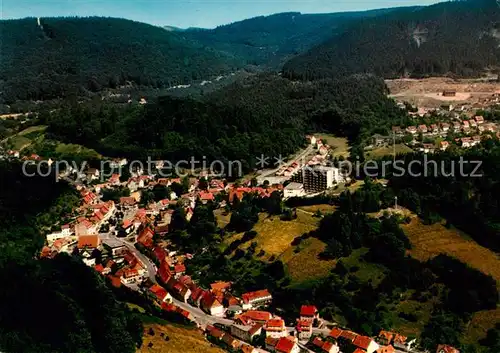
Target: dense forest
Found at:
264, 114
58, 305
270, 40
70, 56
459, 37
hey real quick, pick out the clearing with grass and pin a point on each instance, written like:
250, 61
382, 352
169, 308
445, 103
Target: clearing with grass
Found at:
431, 240
181, 340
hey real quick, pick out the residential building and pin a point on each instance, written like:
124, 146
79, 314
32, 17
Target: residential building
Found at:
246, 348
400, 342
385, 337
254, 316
132, 275
411, 129
214, 332
88, 242
444, 145
230, 341
246, 333
304, 329
275, 328
479, 119
366, 343
434, 128
178, 290
293, 190
211, 305
422, 128
255, 299
325, 346
114, 246
160, 294
445, 127
444, 348
456, 126
287, 345
397, 130
308, 312
320, 178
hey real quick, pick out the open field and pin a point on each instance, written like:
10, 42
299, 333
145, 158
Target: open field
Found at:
480, 324
339, 145
324, 208
388, 151
432, 240
275, 236
32, 129
222, 218
182, 340
366, 271
305, 265
428, 92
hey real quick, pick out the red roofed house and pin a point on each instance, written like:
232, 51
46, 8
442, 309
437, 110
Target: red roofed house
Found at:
358, 350
275, 328
304, 329
444, 348
348, 335
399, 342
366, 343
146, 237
335, 333
214, 332
246, 333
308, 312
128, 201
287, 345
211, 305
220, 286
257, 316
160, 294
179, 290
330, 347
253, 299
385, 337
88, 241
206, 196
230, 341
479, 119
164, 272
179, 270
246, 348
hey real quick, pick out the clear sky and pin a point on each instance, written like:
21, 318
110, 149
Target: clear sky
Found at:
187, 13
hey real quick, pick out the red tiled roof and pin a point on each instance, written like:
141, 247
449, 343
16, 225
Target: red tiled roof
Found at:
446, 349
349, 335
115, 281
220, 286
327, 346
260, 294
164, 272
336, 332
358, 350
386, 335
399, 338
362, 342
180, 268
214, 332
318, 342
99, 268
284, 345
262, 316
275, 324
308, 310
158, 291
271, 341
127, 201
90, 241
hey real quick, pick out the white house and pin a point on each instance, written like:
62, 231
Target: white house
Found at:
275, 328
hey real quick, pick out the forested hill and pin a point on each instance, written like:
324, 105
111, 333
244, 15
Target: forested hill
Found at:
460, 37
271, 40
66, 56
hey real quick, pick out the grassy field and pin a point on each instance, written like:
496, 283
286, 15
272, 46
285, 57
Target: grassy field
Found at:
182, 340
422, 311
340, 145
222, 218
480, 324
324, 208
432, 240
303, 263
275, 236
387, 151
367, 271
33, 131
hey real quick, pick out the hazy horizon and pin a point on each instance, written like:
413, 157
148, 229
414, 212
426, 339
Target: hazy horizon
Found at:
187, 13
